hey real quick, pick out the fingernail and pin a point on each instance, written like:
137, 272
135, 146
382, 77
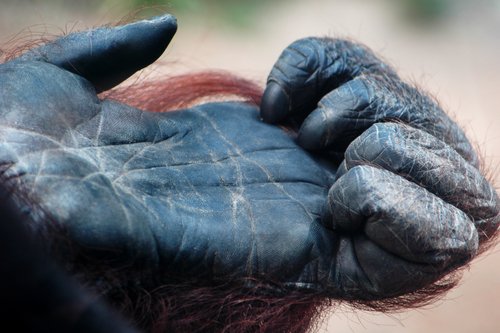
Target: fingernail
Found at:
275, 104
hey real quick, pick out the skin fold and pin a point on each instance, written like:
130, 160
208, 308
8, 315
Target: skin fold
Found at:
376, 195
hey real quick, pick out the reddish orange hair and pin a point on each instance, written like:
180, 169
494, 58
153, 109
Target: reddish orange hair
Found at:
186, 90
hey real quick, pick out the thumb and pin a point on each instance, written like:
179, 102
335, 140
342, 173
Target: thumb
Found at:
107, 56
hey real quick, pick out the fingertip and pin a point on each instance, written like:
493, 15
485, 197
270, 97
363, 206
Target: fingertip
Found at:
146, 40
275, 104
312, 134
135, 45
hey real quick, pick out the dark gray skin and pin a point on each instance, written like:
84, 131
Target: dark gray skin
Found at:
215, 192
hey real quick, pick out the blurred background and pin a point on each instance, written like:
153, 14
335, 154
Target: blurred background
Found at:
449, 47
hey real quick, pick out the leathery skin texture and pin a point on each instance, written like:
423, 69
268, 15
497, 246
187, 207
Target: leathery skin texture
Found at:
378, 194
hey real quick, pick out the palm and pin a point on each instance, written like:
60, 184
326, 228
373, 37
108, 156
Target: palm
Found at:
138, 183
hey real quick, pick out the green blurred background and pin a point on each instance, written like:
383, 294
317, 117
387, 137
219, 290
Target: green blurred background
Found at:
242, 13
450, 47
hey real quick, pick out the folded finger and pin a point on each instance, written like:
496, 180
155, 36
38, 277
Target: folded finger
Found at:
401, 218
434, 165
352, 108
310, 68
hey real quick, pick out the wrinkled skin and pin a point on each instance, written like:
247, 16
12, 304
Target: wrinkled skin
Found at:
378, 194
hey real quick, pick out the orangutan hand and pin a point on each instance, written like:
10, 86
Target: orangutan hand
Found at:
213, 192
409, 202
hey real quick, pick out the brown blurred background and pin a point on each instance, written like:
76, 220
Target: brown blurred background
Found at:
449, 47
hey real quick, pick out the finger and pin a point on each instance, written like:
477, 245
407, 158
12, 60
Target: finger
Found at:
432, 164
339, 118
401, 217
308, 69
107, 56
345, 113
364, 270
